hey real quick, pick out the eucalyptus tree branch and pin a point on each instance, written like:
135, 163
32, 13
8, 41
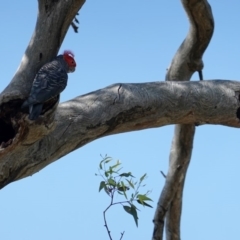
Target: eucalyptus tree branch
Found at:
116, 109
187, 60
53, 21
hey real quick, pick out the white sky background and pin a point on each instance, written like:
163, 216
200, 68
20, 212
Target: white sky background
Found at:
126, 41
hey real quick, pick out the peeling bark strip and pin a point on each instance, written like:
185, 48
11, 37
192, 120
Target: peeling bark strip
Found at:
187, 60
112, 110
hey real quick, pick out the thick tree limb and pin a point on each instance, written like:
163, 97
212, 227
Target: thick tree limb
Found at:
187, 60
116, 109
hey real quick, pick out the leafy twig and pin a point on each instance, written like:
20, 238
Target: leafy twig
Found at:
116, 182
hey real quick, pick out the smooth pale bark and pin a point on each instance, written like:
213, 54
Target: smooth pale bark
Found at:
116, 109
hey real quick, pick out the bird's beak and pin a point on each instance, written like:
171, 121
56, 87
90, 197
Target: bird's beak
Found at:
71, 69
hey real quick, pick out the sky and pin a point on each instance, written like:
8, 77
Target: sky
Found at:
126, 42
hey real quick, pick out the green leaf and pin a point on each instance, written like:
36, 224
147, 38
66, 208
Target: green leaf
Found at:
142, 177
112, 182
143, 198
100, 165
129, 174
116, 165
106, 191
101, 186
130, 184
132, 196
132, 210
123, 188
127, 209
144, 203
110, 170
107, 160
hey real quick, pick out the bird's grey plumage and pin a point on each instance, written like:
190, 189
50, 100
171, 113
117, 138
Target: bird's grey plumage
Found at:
50, 81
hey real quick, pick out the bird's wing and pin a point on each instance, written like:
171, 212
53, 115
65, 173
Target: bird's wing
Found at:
48, 83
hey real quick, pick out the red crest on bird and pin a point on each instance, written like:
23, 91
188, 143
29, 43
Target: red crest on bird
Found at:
69, 58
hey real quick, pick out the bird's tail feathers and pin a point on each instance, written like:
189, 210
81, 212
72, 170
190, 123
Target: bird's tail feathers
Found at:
34, 111
25, 105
